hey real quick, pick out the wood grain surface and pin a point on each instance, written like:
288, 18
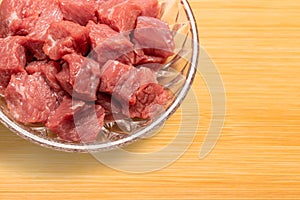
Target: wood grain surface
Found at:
256, 47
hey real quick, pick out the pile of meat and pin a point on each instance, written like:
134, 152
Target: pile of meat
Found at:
69, 65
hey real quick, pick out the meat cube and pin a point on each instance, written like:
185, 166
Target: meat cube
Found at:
49, 12
66, 37
149, 8
18, 17
80, 77
31, 18
130, 82
13, 59
76, 121
150, 100
136, 89
48, 70
29, 98
121, 15
154, 37
79, 11
23, 17
108, 44
111, 73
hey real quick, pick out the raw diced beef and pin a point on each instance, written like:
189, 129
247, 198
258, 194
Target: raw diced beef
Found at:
154, 37
79, 11
150, 100
87, 81
49, 12
99, 33
34, 23
23, 17
136, 89
13, 59
61, 69
24, 103
119, 14
111, 73
31, 18
18, 17
80, 77
108, 44
48, 70
149, 8
130, 82
66, 37
76, 121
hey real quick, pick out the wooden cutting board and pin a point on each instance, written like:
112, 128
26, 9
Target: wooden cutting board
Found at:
256, 47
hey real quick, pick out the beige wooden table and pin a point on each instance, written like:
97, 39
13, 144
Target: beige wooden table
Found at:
256, 47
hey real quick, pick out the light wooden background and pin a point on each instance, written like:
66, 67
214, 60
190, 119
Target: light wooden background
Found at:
256, 47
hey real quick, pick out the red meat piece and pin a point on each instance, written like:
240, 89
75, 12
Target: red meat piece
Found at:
31, 18
122, 81
111, 73
13, 59
23, 17
108, 44
49, 12
150, 100
29, 98
136, 89
18, 17
119, 14
79, 11
76, 121
149, 8
66, 37
48, 70
154, 37
130, 82
80, 77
